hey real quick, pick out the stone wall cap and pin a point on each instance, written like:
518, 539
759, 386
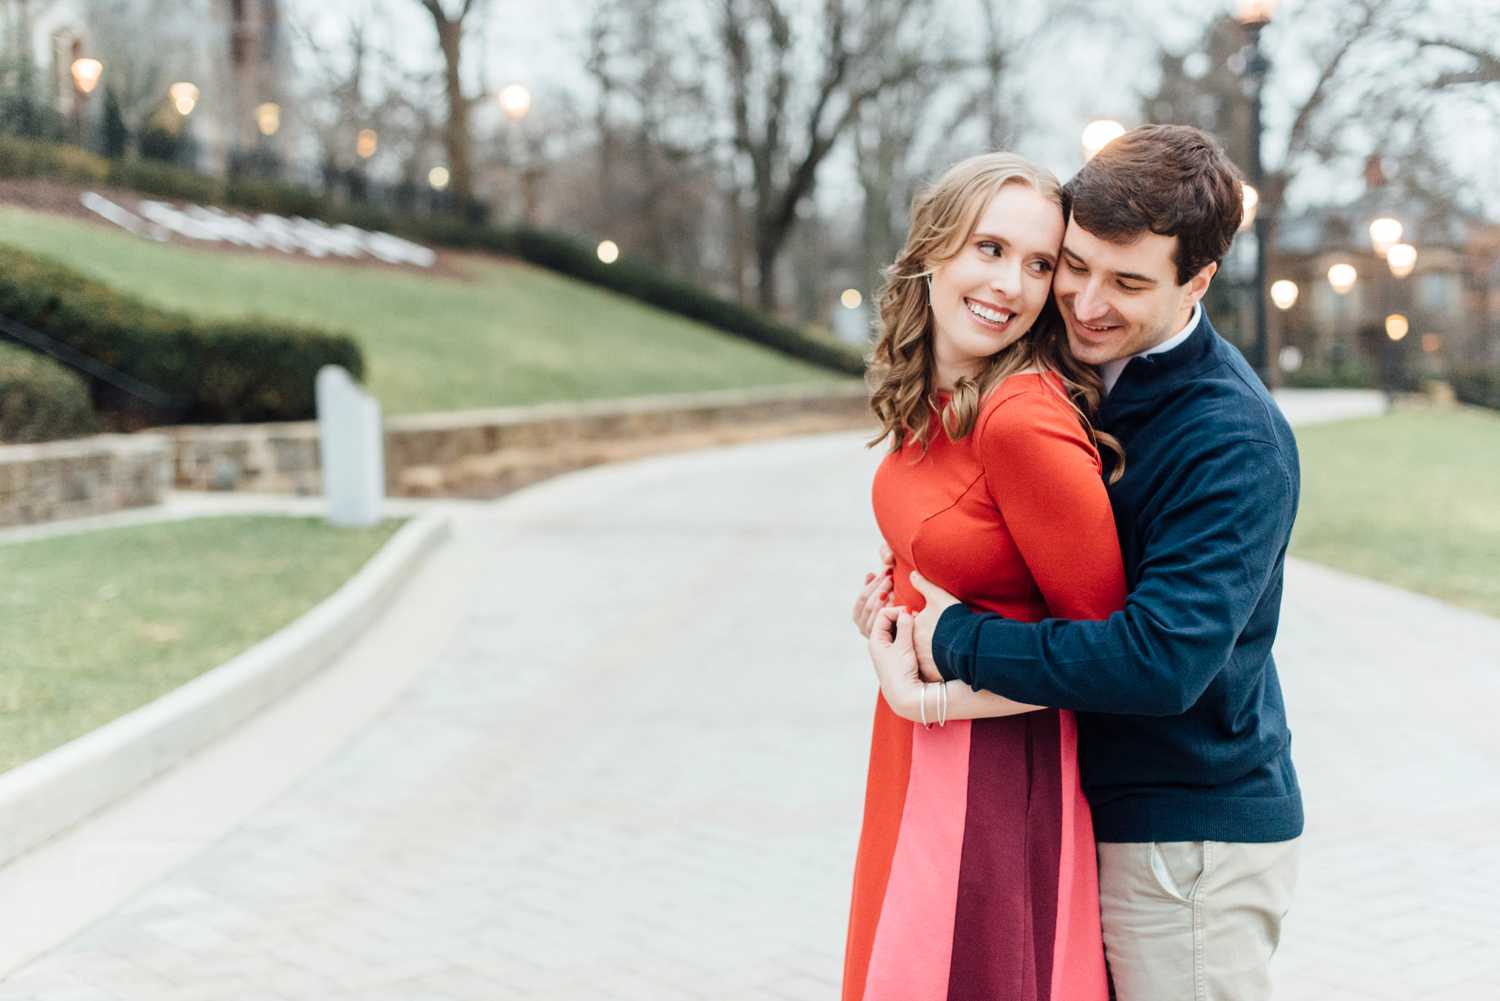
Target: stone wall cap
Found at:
527, 413
661, 403
78, 448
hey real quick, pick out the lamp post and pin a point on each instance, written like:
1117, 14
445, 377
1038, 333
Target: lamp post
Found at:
1396, 326
515, 101
86, 72
1401, 258
1284, 294
184, 97
1253, 15
268, 118
1342, 278
1385, 233
366, 143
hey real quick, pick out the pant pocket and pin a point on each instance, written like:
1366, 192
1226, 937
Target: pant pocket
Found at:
1179, 867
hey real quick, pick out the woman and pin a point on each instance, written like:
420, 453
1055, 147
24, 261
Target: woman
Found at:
976, 874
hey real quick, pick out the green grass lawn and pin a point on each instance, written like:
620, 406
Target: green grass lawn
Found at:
1412, 499
95, 624
505, 333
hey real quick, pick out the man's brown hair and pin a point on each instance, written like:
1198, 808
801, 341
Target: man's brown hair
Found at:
1173, 180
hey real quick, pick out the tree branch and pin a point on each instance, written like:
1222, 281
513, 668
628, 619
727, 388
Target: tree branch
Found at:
1488, 70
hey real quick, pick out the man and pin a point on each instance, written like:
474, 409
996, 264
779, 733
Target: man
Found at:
1184, 747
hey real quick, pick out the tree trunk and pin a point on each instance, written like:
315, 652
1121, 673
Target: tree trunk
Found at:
456, 133
736, 216
766, 252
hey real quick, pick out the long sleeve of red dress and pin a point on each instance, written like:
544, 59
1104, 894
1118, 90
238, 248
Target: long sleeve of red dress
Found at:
976, 875
1044, 476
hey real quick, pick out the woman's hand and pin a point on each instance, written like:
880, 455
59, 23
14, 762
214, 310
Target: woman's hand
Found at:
895, 660
876, 593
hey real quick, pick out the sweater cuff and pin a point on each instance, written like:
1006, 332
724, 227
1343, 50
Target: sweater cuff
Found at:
948, 626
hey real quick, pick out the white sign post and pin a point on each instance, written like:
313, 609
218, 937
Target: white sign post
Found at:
353, 449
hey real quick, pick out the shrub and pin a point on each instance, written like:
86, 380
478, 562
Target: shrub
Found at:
640, 281
154, 178
1351, 374
41, 400
31, 158
242, 370
254, 195
1477, 384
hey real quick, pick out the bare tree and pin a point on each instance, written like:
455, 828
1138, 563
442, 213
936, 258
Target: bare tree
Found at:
1320, 129
653, 143
138, 62
457, 135
787, 120
914, 127
1485, 68
335, 105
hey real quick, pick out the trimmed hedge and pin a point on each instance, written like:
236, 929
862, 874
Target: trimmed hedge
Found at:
569, 256
547, 249
1476, 384
217, 372
41, 400
1350, 375
33, 158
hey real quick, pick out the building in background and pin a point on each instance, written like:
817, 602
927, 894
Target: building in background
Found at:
1443, 312
232, 53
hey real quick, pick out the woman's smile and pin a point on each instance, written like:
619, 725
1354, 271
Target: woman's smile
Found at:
989, 315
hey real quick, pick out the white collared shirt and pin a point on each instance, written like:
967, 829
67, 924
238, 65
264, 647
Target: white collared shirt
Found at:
1110, 370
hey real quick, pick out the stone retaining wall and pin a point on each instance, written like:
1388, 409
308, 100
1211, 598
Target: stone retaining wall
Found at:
85, 476
108, 473
283, 458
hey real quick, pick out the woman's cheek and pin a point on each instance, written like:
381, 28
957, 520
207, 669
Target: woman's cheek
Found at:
1037, 290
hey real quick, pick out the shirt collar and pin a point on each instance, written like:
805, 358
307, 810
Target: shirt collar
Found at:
1110, 370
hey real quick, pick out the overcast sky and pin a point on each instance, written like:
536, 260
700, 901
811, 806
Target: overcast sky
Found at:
1084, 76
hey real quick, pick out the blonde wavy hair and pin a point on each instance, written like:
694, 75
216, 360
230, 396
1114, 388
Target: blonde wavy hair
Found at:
900, 371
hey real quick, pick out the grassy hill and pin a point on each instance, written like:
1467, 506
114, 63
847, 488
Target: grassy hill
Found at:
485, 332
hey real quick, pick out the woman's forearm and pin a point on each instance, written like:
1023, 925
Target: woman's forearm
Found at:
963, 703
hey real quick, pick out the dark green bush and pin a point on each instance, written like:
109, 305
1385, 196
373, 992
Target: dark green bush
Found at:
1348, 375
1477, 384
640, 281
243, 370
32, 158
254, 195
154, 178
551, 250
41, 400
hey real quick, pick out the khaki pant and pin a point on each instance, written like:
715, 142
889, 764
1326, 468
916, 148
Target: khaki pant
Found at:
1194, 920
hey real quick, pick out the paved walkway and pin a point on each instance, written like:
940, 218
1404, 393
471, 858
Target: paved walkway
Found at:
631, 762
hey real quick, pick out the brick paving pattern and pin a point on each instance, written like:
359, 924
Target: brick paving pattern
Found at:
635, 772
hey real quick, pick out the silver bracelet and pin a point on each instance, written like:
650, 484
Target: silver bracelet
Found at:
942, 703
922, 702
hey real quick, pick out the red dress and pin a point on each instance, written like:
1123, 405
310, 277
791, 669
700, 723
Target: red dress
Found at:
976, 875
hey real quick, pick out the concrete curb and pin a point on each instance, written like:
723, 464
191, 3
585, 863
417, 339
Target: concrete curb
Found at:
46, 796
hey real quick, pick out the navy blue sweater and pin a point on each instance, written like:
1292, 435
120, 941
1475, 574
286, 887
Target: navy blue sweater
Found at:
1182, 730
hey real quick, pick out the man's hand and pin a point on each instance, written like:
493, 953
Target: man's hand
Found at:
926, 622
876, 593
